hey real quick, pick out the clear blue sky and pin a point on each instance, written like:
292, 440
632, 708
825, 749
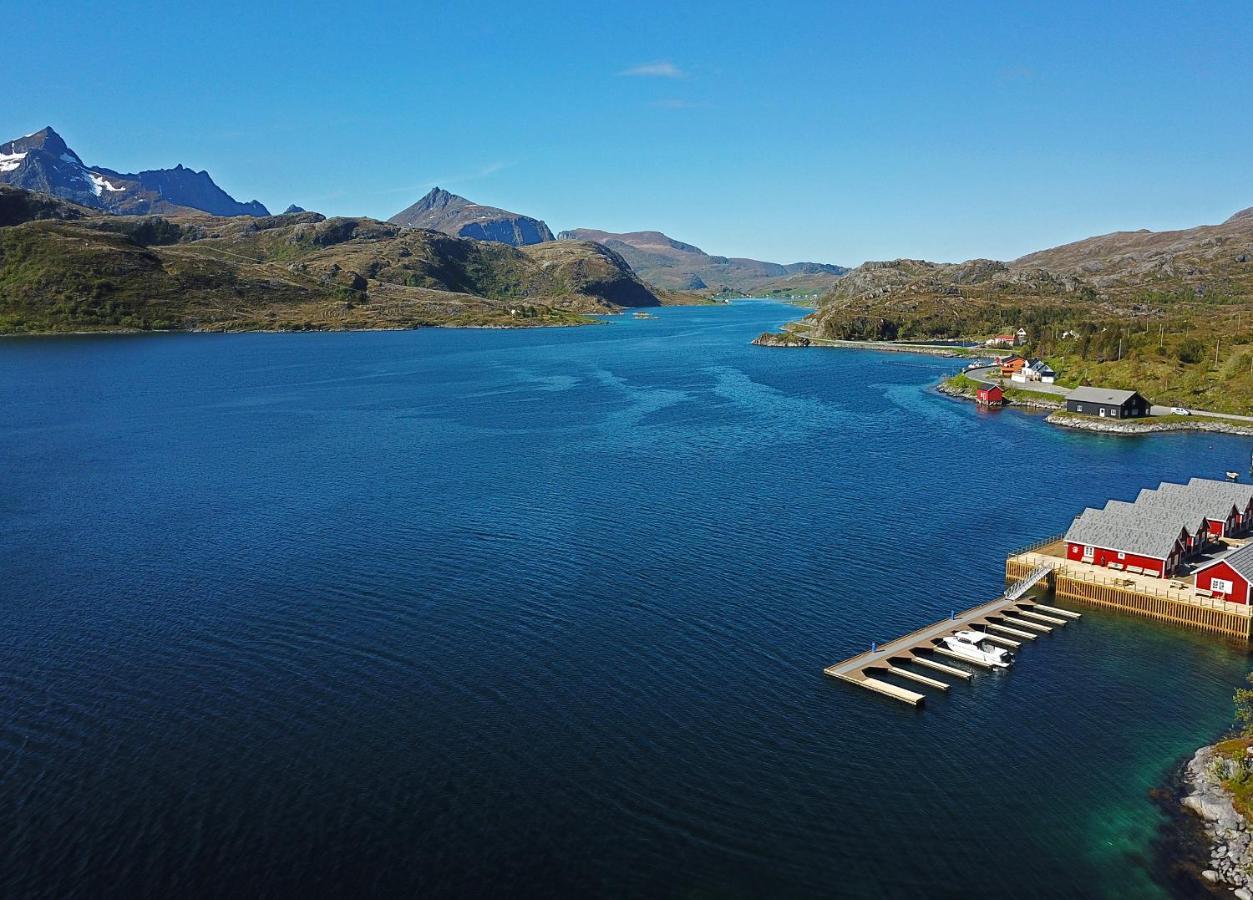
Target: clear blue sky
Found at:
784, 131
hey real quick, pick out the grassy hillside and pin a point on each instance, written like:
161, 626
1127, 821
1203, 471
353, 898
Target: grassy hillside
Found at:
77, 272
1141, 310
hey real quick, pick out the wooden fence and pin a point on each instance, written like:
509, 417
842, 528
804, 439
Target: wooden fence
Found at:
1206, 614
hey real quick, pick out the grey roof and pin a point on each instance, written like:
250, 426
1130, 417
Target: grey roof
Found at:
1115, 531
1240, 559
1159, 515
1239, 494
1197, 498
1100, 395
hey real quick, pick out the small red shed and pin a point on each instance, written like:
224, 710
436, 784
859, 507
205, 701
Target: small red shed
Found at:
990, 395
1228, 578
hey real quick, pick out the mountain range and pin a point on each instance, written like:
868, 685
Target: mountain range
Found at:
441, 211
44, 162
668, 263
69, 267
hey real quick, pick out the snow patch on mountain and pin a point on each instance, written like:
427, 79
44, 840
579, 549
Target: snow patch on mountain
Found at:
99, 183
10, 161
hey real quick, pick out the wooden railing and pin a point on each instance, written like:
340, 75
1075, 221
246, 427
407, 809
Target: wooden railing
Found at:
1037, 545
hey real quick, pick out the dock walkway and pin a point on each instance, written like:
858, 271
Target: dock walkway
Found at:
917, 646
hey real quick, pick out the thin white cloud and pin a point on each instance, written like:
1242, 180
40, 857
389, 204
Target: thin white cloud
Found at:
663, 68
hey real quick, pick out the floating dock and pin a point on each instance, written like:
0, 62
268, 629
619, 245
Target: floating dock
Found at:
1008, 614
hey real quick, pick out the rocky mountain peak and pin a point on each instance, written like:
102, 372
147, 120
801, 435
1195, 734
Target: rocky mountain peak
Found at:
44, 163
44, 139
441, 210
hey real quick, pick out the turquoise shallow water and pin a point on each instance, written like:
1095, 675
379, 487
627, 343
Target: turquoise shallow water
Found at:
464, 613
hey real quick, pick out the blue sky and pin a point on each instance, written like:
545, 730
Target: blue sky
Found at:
787, 131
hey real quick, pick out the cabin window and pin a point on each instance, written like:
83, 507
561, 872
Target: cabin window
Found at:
1122, 555
1078, 407
1220, 586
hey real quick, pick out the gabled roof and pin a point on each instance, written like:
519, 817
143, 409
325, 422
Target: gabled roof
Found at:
1239, 494
1194, 498
1240, 559
1159, 514
1123, 533
1100, 395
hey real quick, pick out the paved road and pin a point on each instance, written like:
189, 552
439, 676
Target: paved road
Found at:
988, 375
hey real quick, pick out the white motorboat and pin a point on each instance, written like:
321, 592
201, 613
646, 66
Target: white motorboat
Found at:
976, 646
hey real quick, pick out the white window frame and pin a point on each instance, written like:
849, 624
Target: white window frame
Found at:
1222, 586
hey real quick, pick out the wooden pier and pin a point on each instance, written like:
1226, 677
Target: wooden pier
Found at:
919, 647
1170, 600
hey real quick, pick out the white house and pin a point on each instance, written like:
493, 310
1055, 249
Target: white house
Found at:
1035, 370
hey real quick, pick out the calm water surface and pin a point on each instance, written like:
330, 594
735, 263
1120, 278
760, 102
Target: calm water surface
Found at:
472, 613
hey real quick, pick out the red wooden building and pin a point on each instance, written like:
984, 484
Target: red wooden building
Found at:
990, 395
1228, 578
1166, 526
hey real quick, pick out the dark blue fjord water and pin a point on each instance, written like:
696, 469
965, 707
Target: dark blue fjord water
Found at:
544, 613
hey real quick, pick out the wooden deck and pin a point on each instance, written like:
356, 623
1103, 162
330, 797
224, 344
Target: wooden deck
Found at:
1171, 600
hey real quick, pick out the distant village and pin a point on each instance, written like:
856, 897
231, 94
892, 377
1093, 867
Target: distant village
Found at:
1029, 371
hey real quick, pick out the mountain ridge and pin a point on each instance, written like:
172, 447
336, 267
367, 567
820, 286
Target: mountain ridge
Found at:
67, 267
43, 162
676, 265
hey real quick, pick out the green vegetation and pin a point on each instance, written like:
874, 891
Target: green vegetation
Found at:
70, 272
1169, 314
1239, 783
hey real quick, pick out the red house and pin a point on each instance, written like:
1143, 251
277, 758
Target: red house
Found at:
1228, 578
1141, 546
1011, 364
990, 395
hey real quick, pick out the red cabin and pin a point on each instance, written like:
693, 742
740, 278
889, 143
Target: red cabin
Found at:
1228, 578
990, 395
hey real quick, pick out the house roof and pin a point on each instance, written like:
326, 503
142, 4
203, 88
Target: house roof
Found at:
1100, 395
1240, 559
1123, 532
1198, 498
1239, 494
990, 387
1179, 519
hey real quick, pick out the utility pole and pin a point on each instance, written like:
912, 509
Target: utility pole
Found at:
1161, 336
1119, 350
1216, 343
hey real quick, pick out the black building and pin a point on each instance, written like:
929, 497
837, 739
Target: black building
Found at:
1105, 403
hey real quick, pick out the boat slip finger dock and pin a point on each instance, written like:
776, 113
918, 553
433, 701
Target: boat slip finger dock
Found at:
1008, 621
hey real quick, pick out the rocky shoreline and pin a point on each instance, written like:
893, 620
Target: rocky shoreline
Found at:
780, 339
1109, 426
966, 394
1230, 854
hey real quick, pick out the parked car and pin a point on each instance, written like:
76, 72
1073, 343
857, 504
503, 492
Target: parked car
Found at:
1180, 411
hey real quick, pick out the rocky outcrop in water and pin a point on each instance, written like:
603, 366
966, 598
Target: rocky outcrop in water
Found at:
781, 339
1231, 860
